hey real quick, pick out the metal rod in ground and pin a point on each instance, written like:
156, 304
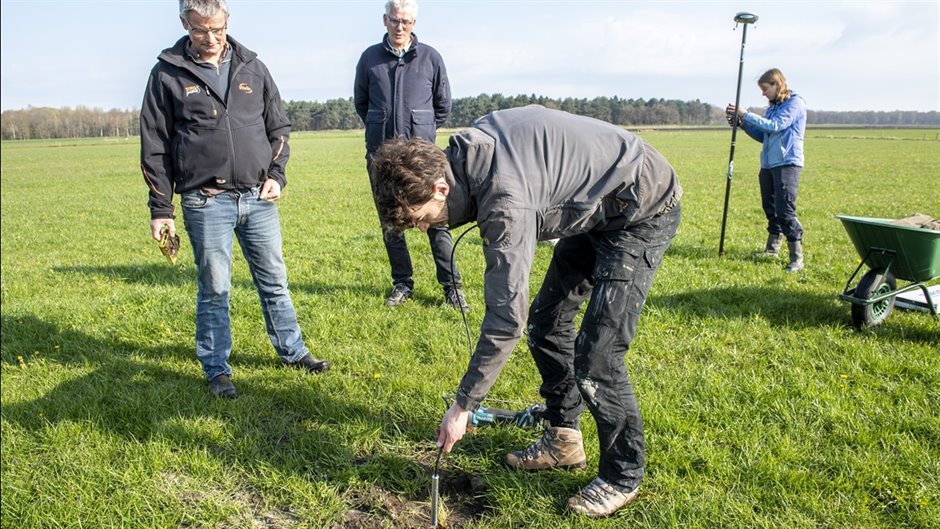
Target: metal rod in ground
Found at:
435, 483
745, 19
435, 489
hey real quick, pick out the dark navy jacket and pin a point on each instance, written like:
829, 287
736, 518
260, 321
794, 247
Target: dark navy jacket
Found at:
192, 137
401, 97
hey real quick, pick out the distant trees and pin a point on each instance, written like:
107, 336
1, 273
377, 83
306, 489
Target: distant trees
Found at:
45, 122
897, 118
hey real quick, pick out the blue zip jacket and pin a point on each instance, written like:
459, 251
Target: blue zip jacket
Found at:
780, 130
407, 96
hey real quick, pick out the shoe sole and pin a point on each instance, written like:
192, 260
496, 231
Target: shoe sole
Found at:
321, 369
224, 394
593, 515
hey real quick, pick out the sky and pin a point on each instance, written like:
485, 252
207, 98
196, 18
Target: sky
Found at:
839, 55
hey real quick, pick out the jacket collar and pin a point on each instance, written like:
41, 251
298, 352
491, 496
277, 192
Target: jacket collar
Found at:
470, 157
412, 48
460, 207
176, 54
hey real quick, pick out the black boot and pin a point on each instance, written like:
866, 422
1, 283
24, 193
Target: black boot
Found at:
796, 256
772, 248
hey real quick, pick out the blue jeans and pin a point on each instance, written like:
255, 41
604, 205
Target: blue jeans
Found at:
210, 223
778, 188
615, 269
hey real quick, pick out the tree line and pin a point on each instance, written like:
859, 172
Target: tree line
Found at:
340, 114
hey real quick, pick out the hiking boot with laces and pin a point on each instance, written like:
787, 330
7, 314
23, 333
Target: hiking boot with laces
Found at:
399, 295
558, 448
599, 499
453, 298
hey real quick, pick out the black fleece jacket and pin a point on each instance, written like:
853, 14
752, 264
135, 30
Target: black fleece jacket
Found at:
193, 137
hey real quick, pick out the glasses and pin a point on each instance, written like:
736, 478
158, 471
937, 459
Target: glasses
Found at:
204, 32
394, 22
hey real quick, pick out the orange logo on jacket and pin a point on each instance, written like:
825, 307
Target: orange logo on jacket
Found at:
245, 88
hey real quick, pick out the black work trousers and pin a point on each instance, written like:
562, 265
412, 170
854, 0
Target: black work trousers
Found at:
614, 270
778, 190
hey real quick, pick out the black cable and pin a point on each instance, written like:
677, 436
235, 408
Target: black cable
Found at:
453, 281
435, 477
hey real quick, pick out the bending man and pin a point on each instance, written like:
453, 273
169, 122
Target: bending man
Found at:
531, 174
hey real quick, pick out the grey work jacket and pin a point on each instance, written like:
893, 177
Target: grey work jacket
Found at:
530, 174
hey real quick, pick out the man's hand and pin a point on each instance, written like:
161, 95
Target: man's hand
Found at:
156, 225
453, 427
270, 190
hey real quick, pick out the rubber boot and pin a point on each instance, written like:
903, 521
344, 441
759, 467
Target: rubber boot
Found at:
796, 256
772, 248
558, 448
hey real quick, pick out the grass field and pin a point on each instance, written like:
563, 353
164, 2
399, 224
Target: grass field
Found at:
763, 407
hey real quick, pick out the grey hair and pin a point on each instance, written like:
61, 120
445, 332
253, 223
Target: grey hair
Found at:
408, 6
203, 8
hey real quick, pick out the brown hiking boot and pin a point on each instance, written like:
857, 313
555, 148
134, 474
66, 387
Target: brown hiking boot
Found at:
558, 448
599, 499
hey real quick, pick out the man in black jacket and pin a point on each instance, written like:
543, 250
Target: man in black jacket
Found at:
401, 90
213, 129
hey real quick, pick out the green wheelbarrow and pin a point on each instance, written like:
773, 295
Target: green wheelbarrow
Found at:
891, 252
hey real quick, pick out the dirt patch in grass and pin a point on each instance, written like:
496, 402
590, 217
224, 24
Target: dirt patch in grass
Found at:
373, 507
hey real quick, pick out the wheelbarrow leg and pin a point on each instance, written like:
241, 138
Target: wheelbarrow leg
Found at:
930, 303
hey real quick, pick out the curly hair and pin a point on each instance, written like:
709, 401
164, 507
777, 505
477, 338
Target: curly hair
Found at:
404, 172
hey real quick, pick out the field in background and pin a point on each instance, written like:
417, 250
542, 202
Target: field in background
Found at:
763, 407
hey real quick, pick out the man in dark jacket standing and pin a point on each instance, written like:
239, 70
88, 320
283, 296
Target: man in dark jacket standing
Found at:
401, 91
531, 174
213, 129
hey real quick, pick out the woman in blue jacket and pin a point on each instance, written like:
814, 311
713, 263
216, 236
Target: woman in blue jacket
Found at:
780, 130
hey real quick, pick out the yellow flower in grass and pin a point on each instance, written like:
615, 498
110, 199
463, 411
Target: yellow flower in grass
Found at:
20, 361
377, 376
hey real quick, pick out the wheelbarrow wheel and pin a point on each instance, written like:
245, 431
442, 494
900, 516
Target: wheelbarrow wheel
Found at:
874, 283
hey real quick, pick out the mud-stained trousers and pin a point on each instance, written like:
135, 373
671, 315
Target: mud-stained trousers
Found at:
615, 270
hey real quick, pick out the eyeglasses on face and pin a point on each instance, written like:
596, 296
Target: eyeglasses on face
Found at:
204, 32
394, 22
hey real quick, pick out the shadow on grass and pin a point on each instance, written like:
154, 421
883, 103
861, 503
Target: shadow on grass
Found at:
149, 274
185, 276
779, 306
785, 308
296, 423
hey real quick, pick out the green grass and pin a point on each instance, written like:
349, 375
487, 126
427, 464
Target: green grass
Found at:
763, 407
